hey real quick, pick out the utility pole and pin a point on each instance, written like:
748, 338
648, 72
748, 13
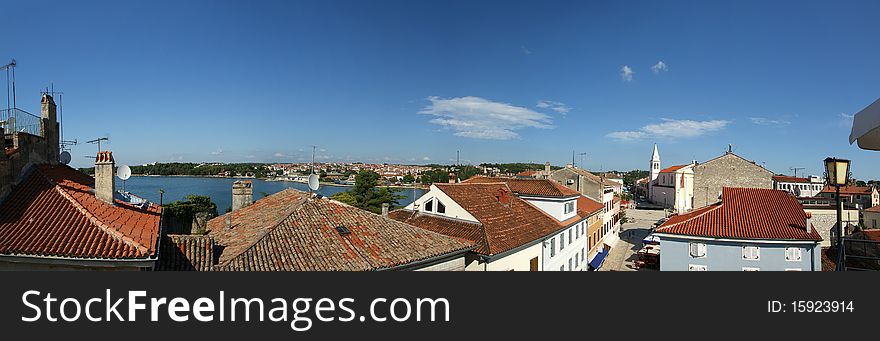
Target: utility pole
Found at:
582, 160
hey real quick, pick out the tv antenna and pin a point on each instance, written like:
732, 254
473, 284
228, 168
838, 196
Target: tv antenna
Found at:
582, 159
98, 141
10, 90
795, 169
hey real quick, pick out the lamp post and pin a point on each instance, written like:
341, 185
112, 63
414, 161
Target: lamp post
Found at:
837, 174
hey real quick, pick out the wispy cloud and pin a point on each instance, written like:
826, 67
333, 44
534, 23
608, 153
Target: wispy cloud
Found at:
219, 151
672, 129
764, 121
845, 120
479, 118
559, 107
279, 154
525, 50
426, 158
627, 73
659, 67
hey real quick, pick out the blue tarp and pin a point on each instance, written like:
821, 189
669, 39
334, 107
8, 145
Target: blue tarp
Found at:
597, 261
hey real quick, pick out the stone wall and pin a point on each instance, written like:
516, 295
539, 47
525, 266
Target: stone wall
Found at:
728, 170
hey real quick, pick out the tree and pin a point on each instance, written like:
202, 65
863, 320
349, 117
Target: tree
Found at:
408, 179
365, 194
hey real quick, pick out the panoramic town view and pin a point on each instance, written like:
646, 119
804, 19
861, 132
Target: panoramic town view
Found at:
464, 137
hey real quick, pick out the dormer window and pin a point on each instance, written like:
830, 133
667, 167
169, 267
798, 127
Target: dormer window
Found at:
569, 207
440, 207
429, 205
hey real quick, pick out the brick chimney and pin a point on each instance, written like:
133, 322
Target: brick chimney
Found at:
503, 196
105, 181
242, 194
809, 221
49, 128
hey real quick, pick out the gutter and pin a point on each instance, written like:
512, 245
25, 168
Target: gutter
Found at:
139, 262
428, 261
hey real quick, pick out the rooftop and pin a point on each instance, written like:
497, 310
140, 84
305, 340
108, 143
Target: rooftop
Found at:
746, 213
288, 231
529, 187
53, 212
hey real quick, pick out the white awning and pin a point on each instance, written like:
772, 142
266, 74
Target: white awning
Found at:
866, 127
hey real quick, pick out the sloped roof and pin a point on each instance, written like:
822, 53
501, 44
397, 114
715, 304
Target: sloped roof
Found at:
186, 253
589, 176
672, 169
502, 226
746, 213
529, 187
849, 190
287, 231
53, 212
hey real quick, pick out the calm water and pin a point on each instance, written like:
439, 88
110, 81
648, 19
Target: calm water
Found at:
220, 189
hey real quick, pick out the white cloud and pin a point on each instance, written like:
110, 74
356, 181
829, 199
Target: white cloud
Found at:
479, 118
426, 158
659, 67
764, 121
219, 151
525, 50
671, 129
626, 73
555, 106
278, 154
845, 120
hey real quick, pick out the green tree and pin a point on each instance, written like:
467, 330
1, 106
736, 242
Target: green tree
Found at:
408, 179
365, 194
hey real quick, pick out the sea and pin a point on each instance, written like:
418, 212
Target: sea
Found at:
220, 189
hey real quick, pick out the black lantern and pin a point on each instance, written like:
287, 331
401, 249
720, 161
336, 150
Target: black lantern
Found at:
836, 171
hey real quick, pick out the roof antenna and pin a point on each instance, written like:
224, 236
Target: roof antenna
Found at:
795, 169
98, 141
729, 148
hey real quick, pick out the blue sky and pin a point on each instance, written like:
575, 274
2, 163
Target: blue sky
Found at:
414, 81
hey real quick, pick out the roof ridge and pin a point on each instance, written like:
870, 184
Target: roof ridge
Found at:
709, 209
114, 233
268, 231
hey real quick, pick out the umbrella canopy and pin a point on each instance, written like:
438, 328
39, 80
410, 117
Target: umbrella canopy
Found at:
865, 127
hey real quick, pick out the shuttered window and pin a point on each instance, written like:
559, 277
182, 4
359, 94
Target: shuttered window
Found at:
793, 254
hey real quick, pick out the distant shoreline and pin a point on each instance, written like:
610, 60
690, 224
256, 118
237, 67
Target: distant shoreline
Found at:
267, 180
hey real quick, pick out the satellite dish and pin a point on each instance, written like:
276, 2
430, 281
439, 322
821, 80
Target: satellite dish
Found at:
123, 172
64, 157
313, 182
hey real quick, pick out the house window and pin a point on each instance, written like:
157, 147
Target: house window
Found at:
552, 247
874, 223
561, 241
570, 239
569, 264
697, 250
751, 253
751, 269
575, 261
694, 267
569, 207
562, 268
533, 264
440, 207
429, 205
793, 254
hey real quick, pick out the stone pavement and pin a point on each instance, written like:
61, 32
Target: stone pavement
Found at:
631, 234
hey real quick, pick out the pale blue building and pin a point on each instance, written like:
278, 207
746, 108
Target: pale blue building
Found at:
751, 229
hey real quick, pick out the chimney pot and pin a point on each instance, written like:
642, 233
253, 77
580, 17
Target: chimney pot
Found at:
242, 194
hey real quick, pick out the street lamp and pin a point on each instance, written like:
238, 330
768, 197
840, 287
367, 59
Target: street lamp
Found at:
837, 174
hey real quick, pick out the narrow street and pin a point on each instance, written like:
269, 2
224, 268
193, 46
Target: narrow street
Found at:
631, 234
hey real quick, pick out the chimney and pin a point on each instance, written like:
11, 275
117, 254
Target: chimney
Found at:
242, 194
385, 206
809, 220
502, 196
452, 177
105, 182
569, 165
547, 169
49, 127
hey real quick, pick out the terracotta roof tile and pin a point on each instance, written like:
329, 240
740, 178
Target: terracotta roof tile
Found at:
746, 213
504, 224
529, 187
53, 212
673, 168
849, 190
784, 178
287, 232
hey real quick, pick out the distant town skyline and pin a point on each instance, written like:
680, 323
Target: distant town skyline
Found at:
414, 82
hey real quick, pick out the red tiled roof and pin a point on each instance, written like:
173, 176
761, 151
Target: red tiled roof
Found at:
874, 209
53, 212
528, 172
288, 232
529, 187
673, 168
186, 253
849, 190
503, 226
784, 178
746, 213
